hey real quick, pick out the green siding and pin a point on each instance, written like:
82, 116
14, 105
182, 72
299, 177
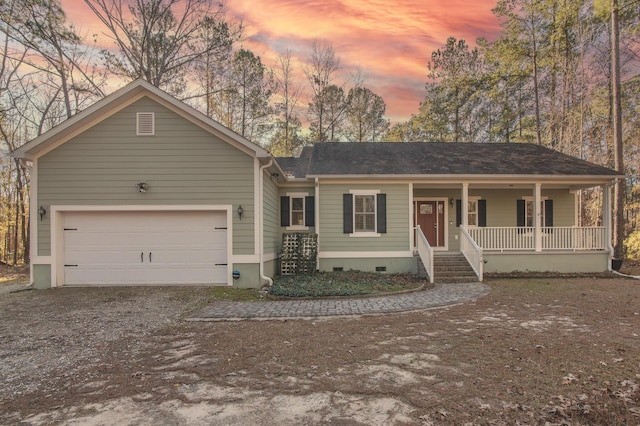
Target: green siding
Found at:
182, 163
249, 275
333, 239
501, 207
41, 276
502, 211
584, 262
271, 212
394, 265
282, 192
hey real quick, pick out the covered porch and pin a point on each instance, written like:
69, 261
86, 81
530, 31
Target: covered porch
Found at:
507, 227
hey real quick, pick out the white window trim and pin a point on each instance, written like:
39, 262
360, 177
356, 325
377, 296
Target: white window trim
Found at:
291, 196
475, 199
153, 123
528, 198
364, 234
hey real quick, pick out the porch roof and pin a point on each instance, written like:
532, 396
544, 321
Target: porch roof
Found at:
438, 159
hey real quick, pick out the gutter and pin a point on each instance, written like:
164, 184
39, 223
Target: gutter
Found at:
263, 278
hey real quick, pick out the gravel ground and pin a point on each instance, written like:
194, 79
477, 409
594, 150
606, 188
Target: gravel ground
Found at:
536, 351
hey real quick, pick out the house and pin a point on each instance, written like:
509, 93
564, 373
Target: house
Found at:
140, 188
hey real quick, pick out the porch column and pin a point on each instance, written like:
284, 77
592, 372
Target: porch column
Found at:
316, 219
537, 214
465, 205
412, 220
607, 220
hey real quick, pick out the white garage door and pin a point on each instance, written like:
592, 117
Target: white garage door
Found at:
134, 248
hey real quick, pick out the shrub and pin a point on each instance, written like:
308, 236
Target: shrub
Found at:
632, 245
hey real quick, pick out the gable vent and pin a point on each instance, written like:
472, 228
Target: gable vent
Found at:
145, 124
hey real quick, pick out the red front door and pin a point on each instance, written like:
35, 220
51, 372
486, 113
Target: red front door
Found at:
430, 218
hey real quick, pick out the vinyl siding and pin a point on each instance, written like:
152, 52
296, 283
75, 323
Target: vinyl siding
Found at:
333, 239
501, 207
289, 190
182, 164
271, 216
502, 210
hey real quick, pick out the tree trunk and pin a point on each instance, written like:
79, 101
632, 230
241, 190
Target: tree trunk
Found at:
619, 191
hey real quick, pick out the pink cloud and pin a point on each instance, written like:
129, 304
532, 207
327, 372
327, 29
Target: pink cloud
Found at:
391, 41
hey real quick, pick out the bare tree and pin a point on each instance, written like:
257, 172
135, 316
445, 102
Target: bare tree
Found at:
53, 48
212, 70
323, 64
286, 140
156, 37
365, 115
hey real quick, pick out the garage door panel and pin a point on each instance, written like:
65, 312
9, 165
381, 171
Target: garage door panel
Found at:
134, 248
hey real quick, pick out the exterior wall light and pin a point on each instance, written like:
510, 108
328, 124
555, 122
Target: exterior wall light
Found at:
240, 211
42, 211
142, 186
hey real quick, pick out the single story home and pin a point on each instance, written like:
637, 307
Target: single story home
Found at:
142, 189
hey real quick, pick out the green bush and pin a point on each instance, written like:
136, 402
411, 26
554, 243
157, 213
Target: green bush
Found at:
632, 244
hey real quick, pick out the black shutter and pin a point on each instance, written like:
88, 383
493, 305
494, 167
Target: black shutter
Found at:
482, 213
285, 214
309, 211
381, 207
521, 205
458, 212
347, 213
548, 213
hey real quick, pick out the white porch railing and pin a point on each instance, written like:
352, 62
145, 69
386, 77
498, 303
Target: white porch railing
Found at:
472, 252
553, 238
425, 252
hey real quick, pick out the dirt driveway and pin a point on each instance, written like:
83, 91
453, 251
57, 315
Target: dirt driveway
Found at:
532, 351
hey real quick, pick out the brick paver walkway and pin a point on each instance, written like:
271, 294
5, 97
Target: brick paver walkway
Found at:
440, 295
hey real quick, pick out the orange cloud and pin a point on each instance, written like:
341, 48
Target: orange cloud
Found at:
390, 41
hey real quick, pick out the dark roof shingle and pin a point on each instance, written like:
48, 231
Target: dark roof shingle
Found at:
437, 158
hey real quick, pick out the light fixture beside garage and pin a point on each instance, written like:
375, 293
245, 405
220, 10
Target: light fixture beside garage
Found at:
142, 186
240, 211
42, 211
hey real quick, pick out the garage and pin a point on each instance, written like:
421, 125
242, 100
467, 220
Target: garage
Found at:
144, 247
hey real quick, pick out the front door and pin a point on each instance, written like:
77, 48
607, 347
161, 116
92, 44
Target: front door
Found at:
430, 218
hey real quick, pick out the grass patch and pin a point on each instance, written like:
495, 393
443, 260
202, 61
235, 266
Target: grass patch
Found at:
235, 294
328, 284
10, 281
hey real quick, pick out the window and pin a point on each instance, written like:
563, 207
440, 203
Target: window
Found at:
472, 212
145, 124
297, 211
365, 213
476, 212
526, 214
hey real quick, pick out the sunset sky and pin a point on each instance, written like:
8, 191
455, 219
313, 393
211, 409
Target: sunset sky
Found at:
390, 41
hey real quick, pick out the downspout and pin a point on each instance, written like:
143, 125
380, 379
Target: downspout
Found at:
263, 278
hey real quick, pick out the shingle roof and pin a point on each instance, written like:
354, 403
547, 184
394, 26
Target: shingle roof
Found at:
436, 158
296, 167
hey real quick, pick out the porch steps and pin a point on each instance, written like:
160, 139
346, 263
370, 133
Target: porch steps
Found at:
452, 268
